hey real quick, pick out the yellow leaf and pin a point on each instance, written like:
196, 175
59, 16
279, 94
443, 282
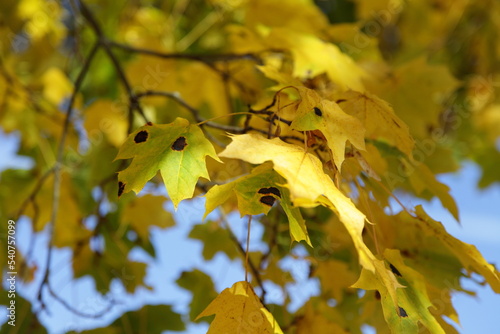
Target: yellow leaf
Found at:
56, 85
308, 184
313, 56
146, 211
108, 118
379, 119
468, 255
316, 113
420, 107
238, 310
343, 278
307, 17
315, 320
421, 179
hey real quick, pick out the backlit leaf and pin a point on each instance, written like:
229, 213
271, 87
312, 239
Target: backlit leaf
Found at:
238, 310
256, 194
378, 118
177, 149
315, 113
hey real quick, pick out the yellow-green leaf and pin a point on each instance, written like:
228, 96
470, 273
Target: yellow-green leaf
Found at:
308, 184
177, 149
470, 257
256, 194
316, 113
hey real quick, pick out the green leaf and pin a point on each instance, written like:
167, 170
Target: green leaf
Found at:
202, 287
471, 258
151, 319
177, 149
214, 239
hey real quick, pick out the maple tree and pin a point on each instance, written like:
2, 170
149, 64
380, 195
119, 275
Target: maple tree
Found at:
308, 118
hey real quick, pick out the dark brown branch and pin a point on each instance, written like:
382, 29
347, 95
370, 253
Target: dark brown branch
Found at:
201, 58
195, 112
58, 164
133, 103
79, 313
35, 191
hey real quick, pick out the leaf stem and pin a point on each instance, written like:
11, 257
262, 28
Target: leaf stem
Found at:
248, 246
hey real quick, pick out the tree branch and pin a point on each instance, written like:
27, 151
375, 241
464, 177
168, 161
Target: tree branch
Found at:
200, 57
57, 167
195, 112
133, 103
79, 313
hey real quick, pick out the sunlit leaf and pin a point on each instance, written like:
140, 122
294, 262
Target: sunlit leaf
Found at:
238, 310
177, 149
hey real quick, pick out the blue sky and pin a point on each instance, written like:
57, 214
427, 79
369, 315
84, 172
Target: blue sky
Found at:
480, 225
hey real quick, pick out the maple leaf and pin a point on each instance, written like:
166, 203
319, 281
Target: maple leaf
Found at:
238, 310
378, 118
310, 186
468, 255
423, 179
418, 107
316, 113
314, 56
146, 211
177, 149
105, 116
202, 288
256, 193
214, 240
412, 303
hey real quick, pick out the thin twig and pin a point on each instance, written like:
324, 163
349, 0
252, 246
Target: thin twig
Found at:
79, 313
133, 103
251, 265
201, 57
195, 112
57, 167
248, 246
35, 191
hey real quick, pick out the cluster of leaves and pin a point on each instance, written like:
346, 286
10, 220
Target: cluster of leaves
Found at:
330, 109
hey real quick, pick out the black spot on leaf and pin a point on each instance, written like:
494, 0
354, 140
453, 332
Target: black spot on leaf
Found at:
267, 200
141, 136
149, 123
275, 191
179, 144
270, 190
395, 271
121, 188
377, 295
402, 312
318, 111
340, 101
